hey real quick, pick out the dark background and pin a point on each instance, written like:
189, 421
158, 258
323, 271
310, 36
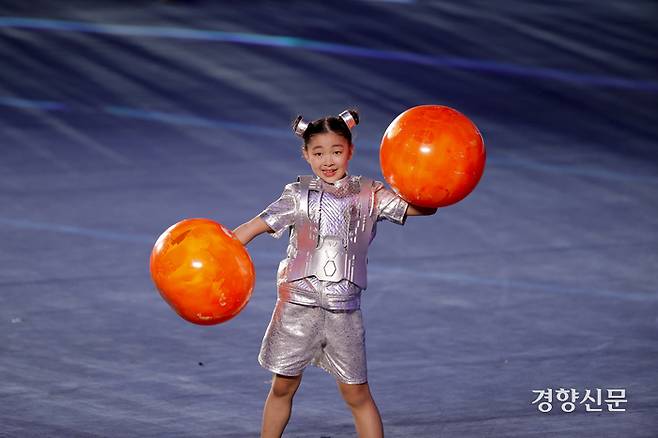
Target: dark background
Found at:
118, 119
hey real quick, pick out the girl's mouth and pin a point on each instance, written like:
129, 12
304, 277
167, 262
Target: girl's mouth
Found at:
329, 173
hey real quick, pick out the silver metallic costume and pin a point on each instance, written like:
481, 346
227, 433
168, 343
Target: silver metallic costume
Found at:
317, 318
336, 248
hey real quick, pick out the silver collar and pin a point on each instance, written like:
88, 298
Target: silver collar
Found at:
340, 187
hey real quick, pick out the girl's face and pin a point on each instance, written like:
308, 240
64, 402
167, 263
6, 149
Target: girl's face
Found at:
328, 154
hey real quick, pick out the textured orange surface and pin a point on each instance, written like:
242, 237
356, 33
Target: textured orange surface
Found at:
203, 271
432, 155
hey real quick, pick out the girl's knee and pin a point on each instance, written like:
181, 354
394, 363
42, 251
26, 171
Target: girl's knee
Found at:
285, 386
355, 395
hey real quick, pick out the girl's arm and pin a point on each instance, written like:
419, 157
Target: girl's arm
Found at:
415, 210
255, 227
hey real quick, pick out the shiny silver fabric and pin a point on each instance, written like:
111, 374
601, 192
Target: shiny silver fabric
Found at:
348, 119
280, 217
313, 292
300, 126
333, 246
298, 336
316, 321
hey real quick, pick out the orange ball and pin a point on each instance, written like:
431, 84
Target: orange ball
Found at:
203, 271
432, 155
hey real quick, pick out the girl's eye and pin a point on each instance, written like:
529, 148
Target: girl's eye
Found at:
338, 152
317, 154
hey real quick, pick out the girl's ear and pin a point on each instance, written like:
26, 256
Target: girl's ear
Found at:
351, 150
304, 153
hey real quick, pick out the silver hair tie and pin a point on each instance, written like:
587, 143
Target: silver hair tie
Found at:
348, 119
300, 125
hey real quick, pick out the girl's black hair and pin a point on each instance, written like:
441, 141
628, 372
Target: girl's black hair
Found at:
328, 124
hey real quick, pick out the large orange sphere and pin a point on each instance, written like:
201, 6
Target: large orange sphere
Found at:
432, 155
203, 271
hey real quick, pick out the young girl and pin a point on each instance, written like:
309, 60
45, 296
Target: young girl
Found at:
332, 218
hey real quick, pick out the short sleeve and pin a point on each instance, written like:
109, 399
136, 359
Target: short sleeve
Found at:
389, 205
280, 214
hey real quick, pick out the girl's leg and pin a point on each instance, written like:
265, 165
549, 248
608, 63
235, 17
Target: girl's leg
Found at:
279, 405
366, 415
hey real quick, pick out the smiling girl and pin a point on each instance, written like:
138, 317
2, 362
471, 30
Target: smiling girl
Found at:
332, 218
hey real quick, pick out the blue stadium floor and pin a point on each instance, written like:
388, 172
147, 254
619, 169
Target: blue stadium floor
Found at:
118, 119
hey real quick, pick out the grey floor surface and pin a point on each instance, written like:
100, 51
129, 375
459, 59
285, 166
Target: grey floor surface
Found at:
118, 119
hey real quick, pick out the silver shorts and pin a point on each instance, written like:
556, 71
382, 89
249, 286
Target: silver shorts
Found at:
299, 335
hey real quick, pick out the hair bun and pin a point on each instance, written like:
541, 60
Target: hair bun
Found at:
355, 115
350, 117
299, 126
